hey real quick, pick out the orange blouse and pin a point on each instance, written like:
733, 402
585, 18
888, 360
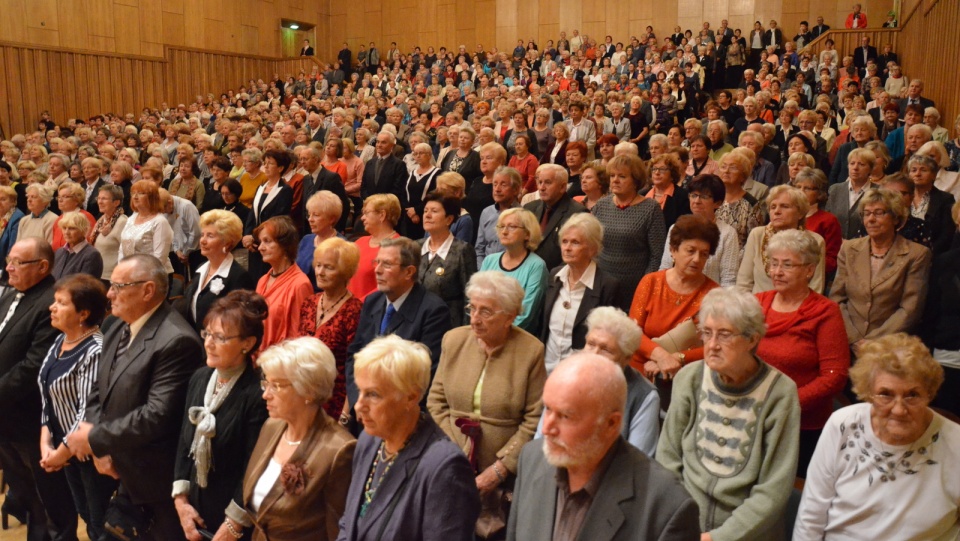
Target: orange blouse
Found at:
657, 309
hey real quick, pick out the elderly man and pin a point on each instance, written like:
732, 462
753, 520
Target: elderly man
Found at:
384, 173
315, 127
583, 481
25, 337
400, 306
135, 409
553, 209
184, 219
506, 192
914, 97
317, 178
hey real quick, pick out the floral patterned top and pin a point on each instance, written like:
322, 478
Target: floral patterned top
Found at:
336, 333
742, 215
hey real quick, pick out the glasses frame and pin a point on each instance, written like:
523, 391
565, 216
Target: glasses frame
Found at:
121, 286
218, 338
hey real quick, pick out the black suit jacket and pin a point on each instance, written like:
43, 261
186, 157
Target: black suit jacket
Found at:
137, 405
281, 204
770, 34
549, 248
423, 317
91, 205
605, 292
24, 341
939, 222
320, 136
818, 30
393, 177
903, 102
324, 179
306, 51
858, 59
469, 168
561, 159
237, 278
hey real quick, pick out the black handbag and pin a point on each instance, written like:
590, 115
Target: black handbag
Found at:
125, 520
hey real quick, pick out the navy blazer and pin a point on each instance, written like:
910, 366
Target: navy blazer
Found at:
605, 292
431, 493
9, 236
423, 317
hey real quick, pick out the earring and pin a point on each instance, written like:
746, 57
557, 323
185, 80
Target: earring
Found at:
224, 249
244, 351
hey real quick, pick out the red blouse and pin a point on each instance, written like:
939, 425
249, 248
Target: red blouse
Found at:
827, 226
809, 345
337, 333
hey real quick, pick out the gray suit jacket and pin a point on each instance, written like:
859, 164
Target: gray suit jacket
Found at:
638, 499
838, 204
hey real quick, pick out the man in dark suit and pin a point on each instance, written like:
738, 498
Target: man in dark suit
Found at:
90, 203
773, 36
25, 338
819, 29
317, 178
384, 173
553, 209
135, 410
400, 306
914, 97
863, 54
306, 50
315, 127
345, 56
584, 481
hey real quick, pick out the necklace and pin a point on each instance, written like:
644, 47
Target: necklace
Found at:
323, 309
82, 336
369, 491
290, 443
277, 274
629, 203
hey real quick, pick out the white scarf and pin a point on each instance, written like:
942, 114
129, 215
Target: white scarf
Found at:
206, 423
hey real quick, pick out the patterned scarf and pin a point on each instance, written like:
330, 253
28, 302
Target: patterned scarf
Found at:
105, 224
768, 233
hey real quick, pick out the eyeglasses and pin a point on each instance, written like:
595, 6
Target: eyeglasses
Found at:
702, 196
122, 286
785, 265
482, 313
17, 263
385, 265
723, 337
218, 338
509, 227
273, 386
660, 170
885, 399
875, 213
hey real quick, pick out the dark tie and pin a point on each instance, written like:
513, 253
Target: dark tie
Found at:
12, 309
544, 219
387, 316
122, 346
378, 169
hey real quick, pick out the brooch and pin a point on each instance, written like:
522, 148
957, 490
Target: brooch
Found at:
439, 271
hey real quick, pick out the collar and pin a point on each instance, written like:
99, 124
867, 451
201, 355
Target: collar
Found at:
586, 279
222, 271
400, 300
593, 485
442, 251
80, 246
137, 325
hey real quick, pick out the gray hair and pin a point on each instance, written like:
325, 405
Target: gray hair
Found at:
802, 243
505, 290
402, 363
148, 268
559, 171
587, 224
516, 180
619, 324
409, 251
307, 362
45, 193
796, 196
659, 139
740, 308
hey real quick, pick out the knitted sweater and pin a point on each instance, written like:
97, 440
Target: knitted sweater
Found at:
734, 449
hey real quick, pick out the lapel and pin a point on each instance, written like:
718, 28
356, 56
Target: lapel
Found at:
604, 519
543, 486
591, 299
891, 267
859, 263
137, 346
407, 312
5, 304
257, 208
553, 223
276, 491
109, 350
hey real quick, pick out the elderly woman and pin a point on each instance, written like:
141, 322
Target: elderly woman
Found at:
333, 314
67, 376
106, 235
76, 255
844, 198
453, 185
882, 278
188, 185
813, 183
380, 215
669, 299
464, 160
931, 204
525, 162
222, 419
421, 181
121, 174
480, 191
666, 172
285, 286
486, 392
70, 197
10, 217
219, 174
914, 229
805, 336
576, 288
220, 231
797, 162
740, 210
731, 433
633, 226
147, 231
700, 161
541, 129
788, 209
272, 198
296, 482
447, 263
594, 183
436, 497
887, 464
39, 219
519, 234
324, 209
557, 151
252, 177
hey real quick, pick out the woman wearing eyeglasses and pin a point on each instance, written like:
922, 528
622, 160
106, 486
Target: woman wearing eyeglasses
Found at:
732, 429
222, 419
421, 181
666, 172
296, 483
881, 278
805, 335
887, 464
486, 392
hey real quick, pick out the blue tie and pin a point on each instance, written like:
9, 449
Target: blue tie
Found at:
385, 322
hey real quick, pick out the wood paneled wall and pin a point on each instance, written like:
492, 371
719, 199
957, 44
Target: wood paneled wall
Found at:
143, 27
500, 23
84, 83
845, 41
930, 49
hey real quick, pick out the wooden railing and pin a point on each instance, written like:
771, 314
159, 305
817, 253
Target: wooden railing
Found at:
845, 41
72, 83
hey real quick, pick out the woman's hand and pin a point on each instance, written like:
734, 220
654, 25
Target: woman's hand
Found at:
412, 214
668, 364
706, 537
55, 459
488, 479
189, 518
248, 242
223, 532
651, 369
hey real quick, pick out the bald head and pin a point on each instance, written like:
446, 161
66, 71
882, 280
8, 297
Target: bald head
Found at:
595, 377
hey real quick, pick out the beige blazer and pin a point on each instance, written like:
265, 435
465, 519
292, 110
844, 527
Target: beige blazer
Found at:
510, 401
313, 515
890, 301
752, 276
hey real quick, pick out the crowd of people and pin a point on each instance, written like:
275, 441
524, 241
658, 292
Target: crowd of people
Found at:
624, 289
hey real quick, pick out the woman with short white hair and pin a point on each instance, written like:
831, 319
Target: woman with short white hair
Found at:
323, 209
39, 219
76, 255
421, 181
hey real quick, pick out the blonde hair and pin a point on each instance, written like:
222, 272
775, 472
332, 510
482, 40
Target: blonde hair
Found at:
348, 255
386, 203
529, 223
228, 225
403, 364
899, 355
307, 362
74, 219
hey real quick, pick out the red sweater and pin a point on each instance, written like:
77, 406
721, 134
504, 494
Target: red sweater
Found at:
809, 345
827, 226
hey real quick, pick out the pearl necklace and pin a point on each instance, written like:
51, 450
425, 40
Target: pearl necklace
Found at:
91, 332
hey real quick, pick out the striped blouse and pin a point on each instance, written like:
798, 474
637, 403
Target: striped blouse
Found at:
65, 383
